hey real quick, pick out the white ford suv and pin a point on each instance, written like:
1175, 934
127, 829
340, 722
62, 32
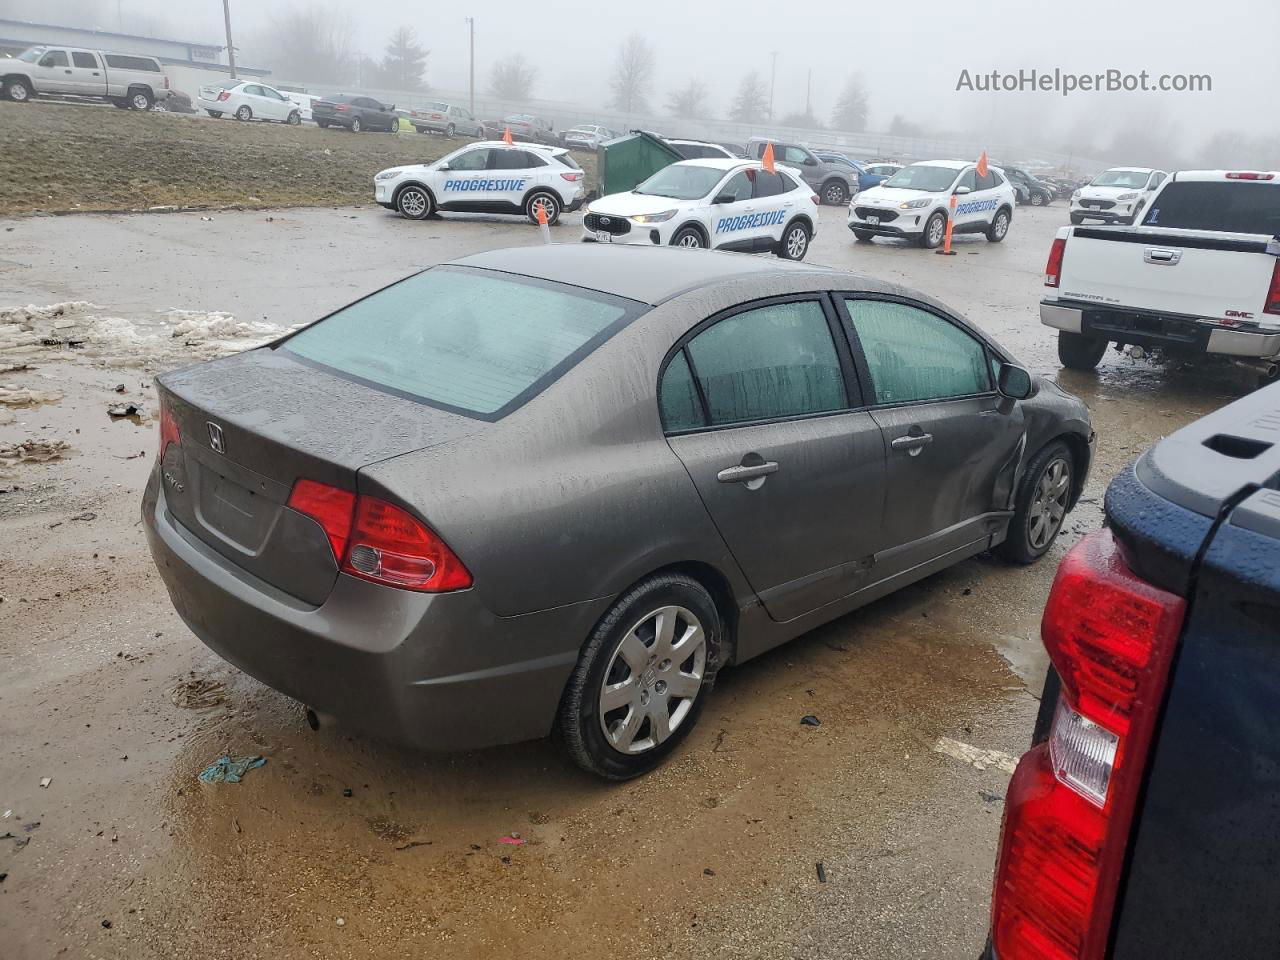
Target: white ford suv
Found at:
915, 203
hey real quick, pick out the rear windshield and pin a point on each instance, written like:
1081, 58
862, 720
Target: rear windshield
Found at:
476, 342
1239, 207
922, 177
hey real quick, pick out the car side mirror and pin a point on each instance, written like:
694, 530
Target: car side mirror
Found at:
810, 162
961, 191
1014, 382
724, 198
443, 167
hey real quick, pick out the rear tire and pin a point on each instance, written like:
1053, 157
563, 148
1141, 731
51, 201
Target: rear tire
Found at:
548, 201
449, 131
216, 114
323, 125
18, 90
1040, 508
795, 242
414, 203
625, 652
835, 193
243, 112
999, 228
141, 100
1078, 352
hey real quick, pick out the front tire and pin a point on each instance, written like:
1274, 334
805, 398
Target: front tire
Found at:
866, 236
414, 203
546, 200
835, 194
642, 678
1078, 352
689, 238
795, 242
294, 119
999, 228
935, 229
1038, 199
18, 90
1041, 505
244, 113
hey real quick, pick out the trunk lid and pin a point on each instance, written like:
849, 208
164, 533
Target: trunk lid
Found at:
250, 426
1200, 273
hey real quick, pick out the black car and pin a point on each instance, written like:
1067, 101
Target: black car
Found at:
1142, 822
1036, 191
354, 113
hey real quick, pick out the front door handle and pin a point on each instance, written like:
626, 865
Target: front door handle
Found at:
745, 474
913, 443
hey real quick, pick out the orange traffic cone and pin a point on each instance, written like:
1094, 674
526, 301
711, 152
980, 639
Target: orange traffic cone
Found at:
946, 250
766, 159
506, 137
541, 212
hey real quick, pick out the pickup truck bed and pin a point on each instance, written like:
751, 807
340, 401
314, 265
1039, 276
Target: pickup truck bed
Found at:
1199, 276
1186, 842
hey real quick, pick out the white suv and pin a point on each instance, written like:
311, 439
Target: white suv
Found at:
915, 203
1118, 195
724, 204
488, 177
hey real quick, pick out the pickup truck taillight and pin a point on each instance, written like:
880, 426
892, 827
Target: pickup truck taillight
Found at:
1053, 269
1111, 637
1272, 303
377, 541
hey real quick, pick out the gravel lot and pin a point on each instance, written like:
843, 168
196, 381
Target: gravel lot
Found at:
62, 157
342, 847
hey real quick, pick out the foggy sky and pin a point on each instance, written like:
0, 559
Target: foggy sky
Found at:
909, 52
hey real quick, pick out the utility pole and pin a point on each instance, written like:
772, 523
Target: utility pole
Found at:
231, 50
773, 73
120, 15
471, 23
808, 90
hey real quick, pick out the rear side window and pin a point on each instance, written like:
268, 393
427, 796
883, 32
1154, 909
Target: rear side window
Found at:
915, 355
121, 62
473, 341
768, 184
568, 160
775, 361
678, 397
84, 60
1234, 207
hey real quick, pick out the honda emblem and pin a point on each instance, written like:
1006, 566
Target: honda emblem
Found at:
216, 439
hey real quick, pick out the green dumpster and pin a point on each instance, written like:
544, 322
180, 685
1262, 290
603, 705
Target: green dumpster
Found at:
632, 159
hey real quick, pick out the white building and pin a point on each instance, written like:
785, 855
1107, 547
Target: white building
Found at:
188, 64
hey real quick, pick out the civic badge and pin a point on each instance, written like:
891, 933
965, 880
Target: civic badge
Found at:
216, 440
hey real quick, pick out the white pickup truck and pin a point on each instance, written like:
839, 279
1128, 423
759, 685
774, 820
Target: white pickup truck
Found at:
1199, 275
125, 79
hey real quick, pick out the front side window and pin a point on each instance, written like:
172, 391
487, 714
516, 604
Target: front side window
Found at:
471, 340
770, 362
55, 58
916, 355
797, 155
477, 159
970, 180
737, 188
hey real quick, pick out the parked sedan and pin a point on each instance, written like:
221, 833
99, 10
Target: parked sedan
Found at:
246, 100
587, 136
523, 126
354, 113
560, 487
447, 119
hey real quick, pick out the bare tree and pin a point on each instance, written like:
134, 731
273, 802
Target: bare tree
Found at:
851, 107
689, 102
633, 76
900, 126
751, 102
312, 43
804, 121
513, 78
405, 61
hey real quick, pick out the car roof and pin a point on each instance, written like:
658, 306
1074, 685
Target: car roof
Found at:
521, 145
1254, 176
645, 274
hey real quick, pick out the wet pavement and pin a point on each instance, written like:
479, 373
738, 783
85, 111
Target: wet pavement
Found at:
342, 847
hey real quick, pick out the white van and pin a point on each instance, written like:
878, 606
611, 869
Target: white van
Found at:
126, 79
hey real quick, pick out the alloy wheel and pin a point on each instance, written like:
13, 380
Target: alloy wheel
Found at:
937, 227
1049, 506
653, 679
413, 203
690, 240
797, 242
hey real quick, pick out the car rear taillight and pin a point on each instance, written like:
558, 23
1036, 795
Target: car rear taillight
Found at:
340, 108
224, 95
1272, 303
377, 541
169, 432
573, 177
166, 82
1053, 269
1111, 637
1248, 175
437, 116
814, 198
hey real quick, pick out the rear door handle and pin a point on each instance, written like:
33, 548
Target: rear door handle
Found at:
742, 474
913, 443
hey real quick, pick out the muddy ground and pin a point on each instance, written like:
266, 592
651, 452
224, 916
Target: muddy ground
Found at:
62, 157
343, 847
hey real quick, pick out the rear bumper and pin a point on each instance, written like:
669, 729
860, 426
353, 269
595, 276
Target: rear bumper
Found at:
429, 126
436, 672
1185, 335
575, 204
